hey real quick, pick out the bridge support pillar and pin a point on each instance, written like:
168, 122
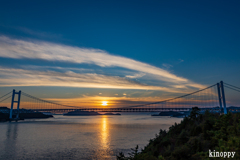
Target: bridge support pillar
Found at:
223, 98
219, 96
18, 104
12, 104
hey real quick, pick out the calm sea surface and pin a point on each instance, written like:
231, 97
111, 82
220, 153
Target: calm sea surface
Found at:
79, 137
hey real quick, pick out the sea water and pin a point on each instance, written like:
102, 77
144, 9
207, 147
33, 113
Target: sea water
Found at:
79, 137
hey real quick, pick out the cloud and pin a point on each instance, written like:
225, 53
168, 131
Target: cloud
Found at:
96, 101
167, 66
21, 77
180, 61
22, 49
39, 33
19, 49
137, 75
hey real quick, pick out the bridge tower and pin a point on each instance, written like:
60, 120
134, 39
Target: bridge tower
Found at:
221, 97
12, 103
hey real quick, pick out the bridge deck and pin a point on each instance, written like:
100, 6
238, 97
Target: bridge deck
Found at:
121, 109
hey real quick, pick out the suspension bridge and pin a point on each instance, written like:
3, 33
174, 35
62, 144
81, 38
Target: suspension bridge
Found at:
210, 98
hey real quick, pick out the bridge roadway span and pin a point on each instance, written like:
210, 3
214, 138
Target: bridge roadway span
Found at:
120, 109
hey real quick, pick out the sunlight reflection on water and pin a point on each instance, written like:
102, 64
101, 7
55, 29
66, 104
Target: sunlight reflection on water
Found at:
78, 137
104, 152
104, 135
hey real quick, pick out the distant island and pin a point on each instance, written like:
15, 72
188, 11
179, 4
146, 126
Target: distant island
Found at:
23, 114
109, 113
172, 114
87, 113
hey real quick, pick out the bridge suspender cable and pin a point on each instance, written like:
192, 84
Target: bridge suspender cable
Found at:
204, 98
173, 98
232, 85
6, 95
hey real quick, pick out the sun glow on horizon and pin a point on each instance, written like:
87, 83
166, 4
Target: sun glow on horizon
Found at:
104, 103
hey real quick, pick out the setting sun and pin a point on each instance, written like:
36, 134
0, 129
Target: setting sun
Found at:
104, 103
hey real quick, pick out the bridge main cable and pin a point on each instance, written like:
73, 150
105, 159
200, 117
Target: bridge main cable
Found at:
232, 87
5, 95
30, 96
171, 98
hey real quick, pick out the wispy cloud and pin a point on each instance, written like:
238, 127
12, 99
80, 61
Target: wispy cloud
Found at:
180, 61
39, 33
21, 77
137, 75
167, 66
96, 101
13, 48
35, 33
22, 49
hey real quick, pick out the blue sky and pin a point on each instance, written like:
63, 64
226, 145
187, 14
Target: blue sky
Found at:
119, 51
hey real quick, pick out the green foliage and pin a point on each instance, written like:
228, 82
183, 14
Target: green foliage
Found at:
134, 152
161, 157
121, 156
194, 113
192, 138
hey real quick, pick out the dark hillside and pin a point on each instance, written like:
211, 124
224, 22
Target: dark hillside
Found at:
192, 138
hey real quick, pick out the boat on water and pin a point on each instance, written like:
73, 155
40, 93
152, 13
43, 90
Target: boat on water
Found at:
82, 113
